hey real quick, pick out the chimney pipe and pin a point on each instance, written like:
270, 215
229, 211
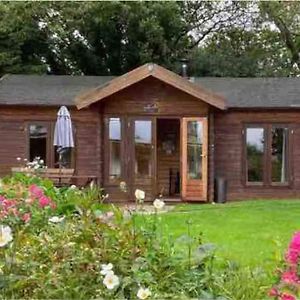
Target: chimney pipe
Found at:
184, 67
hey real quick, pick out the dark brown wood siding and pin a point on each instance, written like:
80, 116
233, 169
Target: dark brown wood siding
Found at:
150, 97
230, 160
166, 99
14, 136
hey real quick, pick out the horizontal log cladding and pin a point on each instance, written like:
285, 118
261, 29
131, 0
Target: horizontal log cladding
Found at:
230, 160
14, 136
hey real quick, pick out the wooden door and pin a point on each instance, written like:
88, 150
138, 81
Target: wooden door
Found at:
142, 155
194, 143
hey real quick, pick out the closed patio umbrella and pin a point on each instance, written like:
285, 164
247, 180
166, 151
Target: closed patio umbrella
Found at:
63, 133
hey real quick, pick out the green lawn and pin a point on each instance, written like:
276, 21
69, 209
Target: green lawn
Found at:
250, 233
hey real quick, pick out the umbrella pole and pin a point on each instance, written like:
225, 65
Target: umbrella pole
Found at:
59, 165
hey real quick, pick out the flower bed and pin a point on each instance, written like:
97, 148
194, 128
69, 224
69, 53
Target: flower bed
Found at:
64, 243
288, 286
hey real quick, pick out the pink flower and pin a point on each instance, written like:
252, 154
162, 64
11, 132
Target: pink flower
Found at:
286, 296
26, 217
289, 277
52, 205
44, 201
294, 249
36, 191
273, 292
29, 200
8, 203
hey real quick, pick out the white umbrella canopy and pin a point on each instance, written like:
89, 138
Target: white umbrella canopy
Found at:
63, 133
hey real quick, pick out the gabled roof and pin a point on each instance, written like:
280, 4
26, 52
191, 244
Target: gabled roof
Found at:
149, 70
56, 90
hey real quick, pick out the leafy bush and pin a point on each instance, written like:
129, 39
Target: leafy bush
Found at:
65, 243
63, 248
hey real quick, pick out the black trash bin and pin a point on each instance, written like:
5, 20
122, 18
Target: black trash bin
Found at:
220, 190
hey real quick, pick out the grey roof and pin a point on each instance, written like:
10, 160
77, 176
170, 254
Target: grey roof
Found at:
48, 90
55, 90
277, 92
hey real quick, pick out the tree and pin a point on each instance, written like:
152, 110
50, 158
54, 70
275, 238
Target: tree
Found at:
95, 38
227, 38
102, 38
20, 40
239, 53
285, 16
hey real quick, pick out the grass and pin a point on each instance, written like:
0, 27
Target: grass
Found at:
252, 233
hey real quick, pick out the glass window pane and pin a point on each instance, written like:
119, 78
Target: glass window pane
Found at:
194, 149
143, 148
279, 154
38, 142
114, 148
66, 158
255, 154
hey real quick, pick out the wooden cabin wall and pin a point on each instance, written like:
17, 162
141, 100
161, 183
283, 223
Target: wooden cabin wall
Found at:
229, 158
13, 136
167, 100
149, 97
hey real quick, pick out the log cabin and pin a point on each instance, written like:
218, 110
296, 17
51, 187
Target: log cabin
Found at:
161, 132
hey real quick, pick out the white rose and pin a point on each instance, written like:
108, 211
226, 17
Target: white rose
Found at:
107, 269
111, 281
73, 187
56, 219
143, 293
139, 194
158, 204
5, 235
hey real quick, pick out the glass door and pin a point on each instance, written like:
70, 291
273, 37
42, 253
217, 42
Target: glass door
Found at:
194, 159
142, 167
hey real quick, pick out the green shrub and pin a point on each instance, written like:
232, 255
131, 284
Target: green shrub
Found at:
79, 248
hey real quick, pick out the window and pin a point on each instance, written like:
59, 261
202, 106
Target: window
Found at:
66, 159
279, 154
114, 133
267, 148
143, 148
40, 144
194, 149
255, 153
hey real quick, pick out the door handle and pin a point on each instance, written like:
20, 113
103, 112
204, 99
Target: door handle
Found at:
203, 155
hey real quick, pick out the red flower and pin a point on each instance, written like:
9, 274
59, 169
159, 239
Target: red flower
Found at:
44, 201
286, 296
273, 292
8, 203
53, 205
293, 252
289, 277
36, 191
26, 217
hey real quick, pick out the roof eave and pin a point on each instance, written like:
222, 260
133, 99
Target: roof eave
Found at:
148, 70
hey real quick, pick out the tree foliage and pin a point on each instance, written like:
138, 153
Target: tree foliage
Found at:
228, 38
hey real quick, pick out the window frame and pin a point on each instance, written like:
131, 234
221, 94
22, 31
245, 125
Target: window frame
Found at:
245, 158
50, 148
107, 179
49, 158
288, 151
267, 163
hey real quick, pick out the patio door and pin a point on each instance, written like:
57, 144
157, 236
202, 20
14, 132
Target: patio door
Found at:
194, 159
141, 158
